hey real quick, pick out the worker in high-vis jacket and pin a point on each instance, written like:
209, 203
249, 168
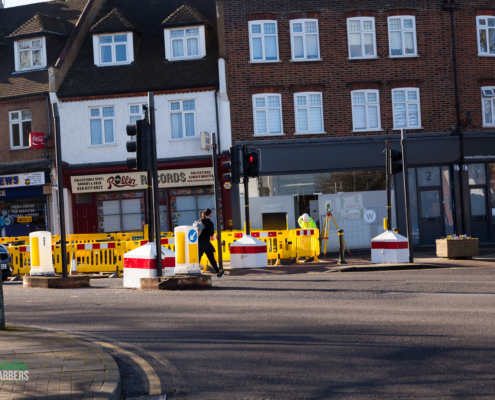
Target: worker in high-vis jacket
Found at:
306, 222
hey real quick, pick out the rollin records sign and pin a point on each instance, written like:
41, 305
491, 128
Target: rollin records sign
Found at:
138, 180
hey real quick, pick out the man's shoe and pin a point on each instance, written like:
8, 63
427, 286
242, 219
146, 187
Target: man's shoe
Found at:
220, 274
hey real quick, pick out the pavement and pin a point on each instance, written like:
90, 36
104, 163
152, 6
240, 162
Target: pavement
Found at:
360, 261
59, 366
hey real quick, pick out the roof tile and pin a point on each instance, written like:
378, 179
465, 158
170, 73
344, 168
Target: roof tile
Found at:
115, 21
185, 15
40, 24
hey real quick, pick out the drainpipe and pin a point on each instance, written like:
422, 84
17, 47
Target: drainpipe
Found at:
218, 127
457, 130
49, 126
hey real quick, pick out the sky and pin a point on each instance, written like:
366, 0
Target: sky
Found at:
15, 3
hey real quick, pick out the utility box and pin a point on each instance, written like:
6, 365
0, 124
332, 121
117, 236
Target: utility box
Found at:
41, 253
389, 247
186, 250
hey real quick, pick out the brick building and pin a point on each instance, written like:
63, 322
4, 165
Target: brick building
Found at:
315, 85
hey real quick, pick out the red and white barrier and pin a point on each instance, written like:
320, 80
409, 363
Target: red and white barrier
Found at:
256, 235
248, 252
163, 241
389, 247
306, 232
141, 263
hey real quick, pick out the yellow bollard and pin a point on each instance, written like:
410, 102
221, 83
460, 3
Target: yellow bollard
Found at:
385, 225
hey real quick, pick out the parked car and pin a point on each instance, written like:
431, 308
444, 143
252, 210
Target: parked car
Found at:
5, 263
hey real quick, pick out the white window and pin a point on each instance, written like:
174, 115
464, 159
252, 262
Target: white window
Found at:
20, 126
402, 36
30, 54
185, 43
136, 112
486, 35
309, 113
183, 119
114, 49
407, 113
488, 103
267, 114
304, 39
102, 125
366, 110
263, 41
362, 38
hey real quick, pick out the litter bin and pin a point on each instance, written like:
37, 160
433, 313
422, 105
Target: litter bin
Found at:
5, 263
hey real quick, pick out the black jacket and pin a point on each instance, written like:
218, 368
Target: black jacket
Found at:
204, 238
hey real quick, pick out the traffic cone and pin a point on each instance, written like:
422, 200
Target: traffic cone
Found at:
73, 265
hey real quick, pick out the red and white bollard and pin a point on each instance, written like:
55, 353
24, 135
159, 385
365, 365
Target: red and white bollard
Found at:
141, 263
389, 247
248, 252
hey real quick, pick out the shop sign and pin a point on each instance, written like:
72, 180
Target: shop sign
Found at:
20, 180
138, 180
36, 140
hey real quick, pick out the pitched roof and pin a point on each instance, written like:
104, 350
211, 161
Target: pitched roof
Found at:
150, 70
13, 19
185, 15
114, 21
40, 24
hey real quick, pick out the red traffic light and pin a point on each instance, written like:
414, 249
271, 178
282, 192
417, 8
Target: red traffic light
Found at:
251, 158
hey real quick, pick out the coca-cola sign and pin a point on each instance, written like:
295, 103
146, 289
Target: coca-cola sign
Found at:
36, 140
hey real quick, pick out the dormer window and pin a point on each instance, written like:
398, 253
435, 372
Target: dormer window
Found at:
113, 49
30, 54
186, 43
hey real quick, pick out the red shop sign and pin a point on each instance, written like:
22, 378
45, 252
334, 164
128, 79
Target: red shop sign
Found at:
36, 140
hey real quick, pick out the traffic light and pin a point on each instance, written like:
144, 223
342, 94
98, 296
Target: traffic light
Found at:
394, 162
141, 146
234, 166
251, 164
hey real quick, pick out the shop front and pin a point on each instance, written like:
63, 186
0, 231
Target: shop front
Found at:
118, 202
23, 204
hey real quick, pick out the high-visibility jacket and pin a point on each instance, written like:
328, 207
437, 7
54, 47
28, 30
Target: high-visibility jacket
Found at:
306, 225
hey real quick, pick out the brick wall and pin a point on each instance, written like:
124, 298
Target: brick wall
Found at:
432, 71
39, 123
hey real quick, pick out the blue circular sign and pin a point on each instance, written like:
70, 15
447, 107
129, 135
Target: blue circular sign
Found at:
193, 236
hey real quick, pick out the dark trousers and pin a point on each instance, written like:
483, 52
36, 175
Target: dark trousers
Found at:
211, 258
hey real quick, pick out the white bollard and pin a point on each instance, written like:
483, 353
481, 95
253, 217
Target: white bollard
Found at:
186, 250
41, 253
389, 248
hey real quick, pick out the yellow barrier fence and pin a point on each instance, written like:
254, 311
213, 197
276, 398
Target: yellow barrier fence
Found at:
305, 242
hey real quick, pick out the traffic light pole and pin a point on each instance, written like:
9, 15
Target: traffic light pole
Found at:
406, 194
149, 178
60, 188
246, 190
156, 195
388, 176
217, 192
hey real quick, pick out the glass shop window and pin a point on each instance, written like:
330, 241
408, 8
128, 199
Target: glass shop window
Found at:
121, 212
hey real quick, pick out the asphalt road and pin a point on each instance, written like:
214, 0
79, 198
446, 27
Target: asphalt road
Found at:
425, 334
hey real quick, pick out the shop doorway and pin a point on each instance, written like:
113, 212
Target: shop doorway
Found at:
305, 204
85, 214
478, 202
430, 214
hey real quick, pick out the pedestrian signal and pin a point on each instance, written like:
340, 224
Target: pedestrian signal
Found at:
233, 164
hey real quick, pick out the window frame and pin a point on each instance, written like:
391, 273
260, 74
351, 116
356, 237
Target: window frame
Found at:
366, 104
262, 35
304, 34
17, 55
362, 33
307, 107
131, 114
102, 119
169, 55
407, 103
267, 108
183, 119
403, 40
97, 49
486, 27
19, 122
492, 103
